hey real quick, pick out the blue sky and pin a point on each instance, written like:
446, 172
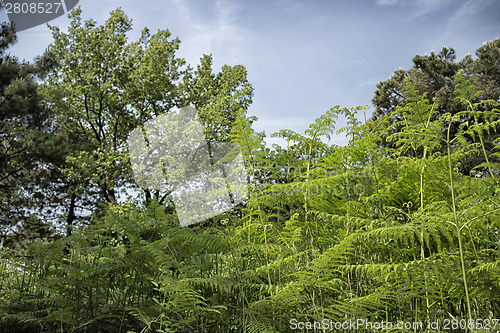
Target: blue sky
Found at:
302, 56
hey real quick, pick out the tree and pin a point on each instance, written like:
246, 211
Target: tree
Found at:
219, 97
486, 70
101, 87
23, 140
435, 75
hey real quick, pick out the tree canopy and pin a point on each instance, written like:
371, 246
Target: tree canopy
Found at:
435, 75
100, 87
23, 140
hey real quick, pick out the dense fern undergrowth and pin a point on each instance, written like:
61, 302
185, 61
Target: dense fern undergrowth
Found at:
327, 233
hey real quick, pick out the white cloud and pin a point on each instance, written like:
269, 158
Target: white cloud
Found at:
214, 30
421, 7
424, 7
386, 2
468, 9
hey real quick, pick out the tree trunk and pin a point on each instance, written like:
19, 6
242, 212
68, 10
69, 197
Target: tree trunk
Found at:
71, 215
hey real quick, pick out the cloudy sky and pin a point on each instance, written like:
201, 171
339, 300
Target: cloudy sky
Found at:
302, 56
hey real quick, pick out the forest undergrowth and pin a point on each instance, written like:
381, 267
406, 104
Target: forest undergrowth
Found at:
328, 234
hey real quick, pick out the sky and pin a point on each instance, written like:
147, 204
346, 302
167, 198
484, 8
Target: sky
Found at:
303, 57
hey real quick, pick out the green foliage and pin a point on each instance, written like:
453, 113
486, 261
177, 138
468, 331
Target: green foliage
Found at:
479, 121
440, 78
365, 231
99, 87
24, 143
